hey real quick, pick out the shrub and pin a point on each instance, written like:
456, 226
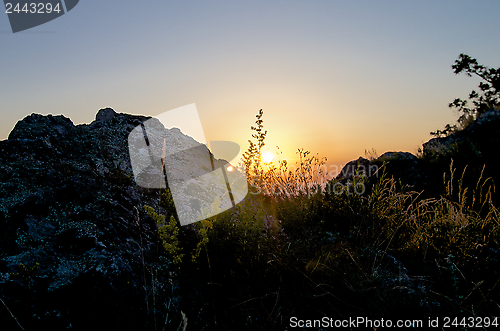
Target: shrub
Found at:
488, 97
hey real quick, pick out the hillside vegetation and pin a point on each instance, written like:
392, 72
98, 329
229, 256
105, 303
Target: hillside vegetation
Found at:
389, 252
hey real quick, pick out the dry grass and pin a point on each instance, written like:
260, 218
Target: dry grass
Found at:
350, 255
295, 247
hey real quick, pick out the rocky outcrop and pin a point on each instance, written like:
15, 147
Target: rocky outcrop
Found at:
359, 167
77, 250
478, 142
473, 148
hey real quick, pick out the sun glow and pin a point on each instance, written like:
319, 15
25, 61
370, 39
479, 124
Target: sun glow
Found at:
267, 157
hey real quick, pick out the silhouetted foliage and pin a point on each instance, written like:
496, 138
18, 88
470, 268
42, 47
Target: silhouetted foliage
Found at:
488, 96
253, 156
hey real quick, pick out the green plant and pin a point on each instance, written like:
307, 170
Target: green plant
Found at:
203, 227
169, 234
27, 274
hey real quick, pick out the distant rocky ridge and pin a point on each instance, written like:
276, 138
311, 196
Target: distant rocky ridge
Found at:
77, 250
476, 146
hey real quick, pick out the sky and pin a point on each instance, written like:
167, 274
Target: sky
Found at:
332, 77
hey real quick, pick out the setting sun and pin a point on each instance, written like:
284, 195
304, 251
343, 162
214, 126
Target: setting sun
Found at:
268, 157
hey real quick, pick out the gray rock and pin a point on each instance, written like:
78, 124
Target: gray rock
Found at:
473, 148
40, 126
359, 167
467, 140
105, 114
387, 156
75, 241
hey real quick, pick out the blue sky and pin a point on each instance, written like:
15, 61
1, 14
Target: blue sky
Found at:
333, 77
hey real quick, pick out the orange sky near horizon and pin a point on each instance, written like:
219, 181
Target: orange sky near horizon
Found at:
333, 77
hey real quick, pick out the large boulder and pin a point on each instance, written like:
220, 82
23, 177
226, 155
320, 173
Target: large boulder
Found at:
396, 164
470, 150
359, 167
77, 250
474, 150
477, 143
